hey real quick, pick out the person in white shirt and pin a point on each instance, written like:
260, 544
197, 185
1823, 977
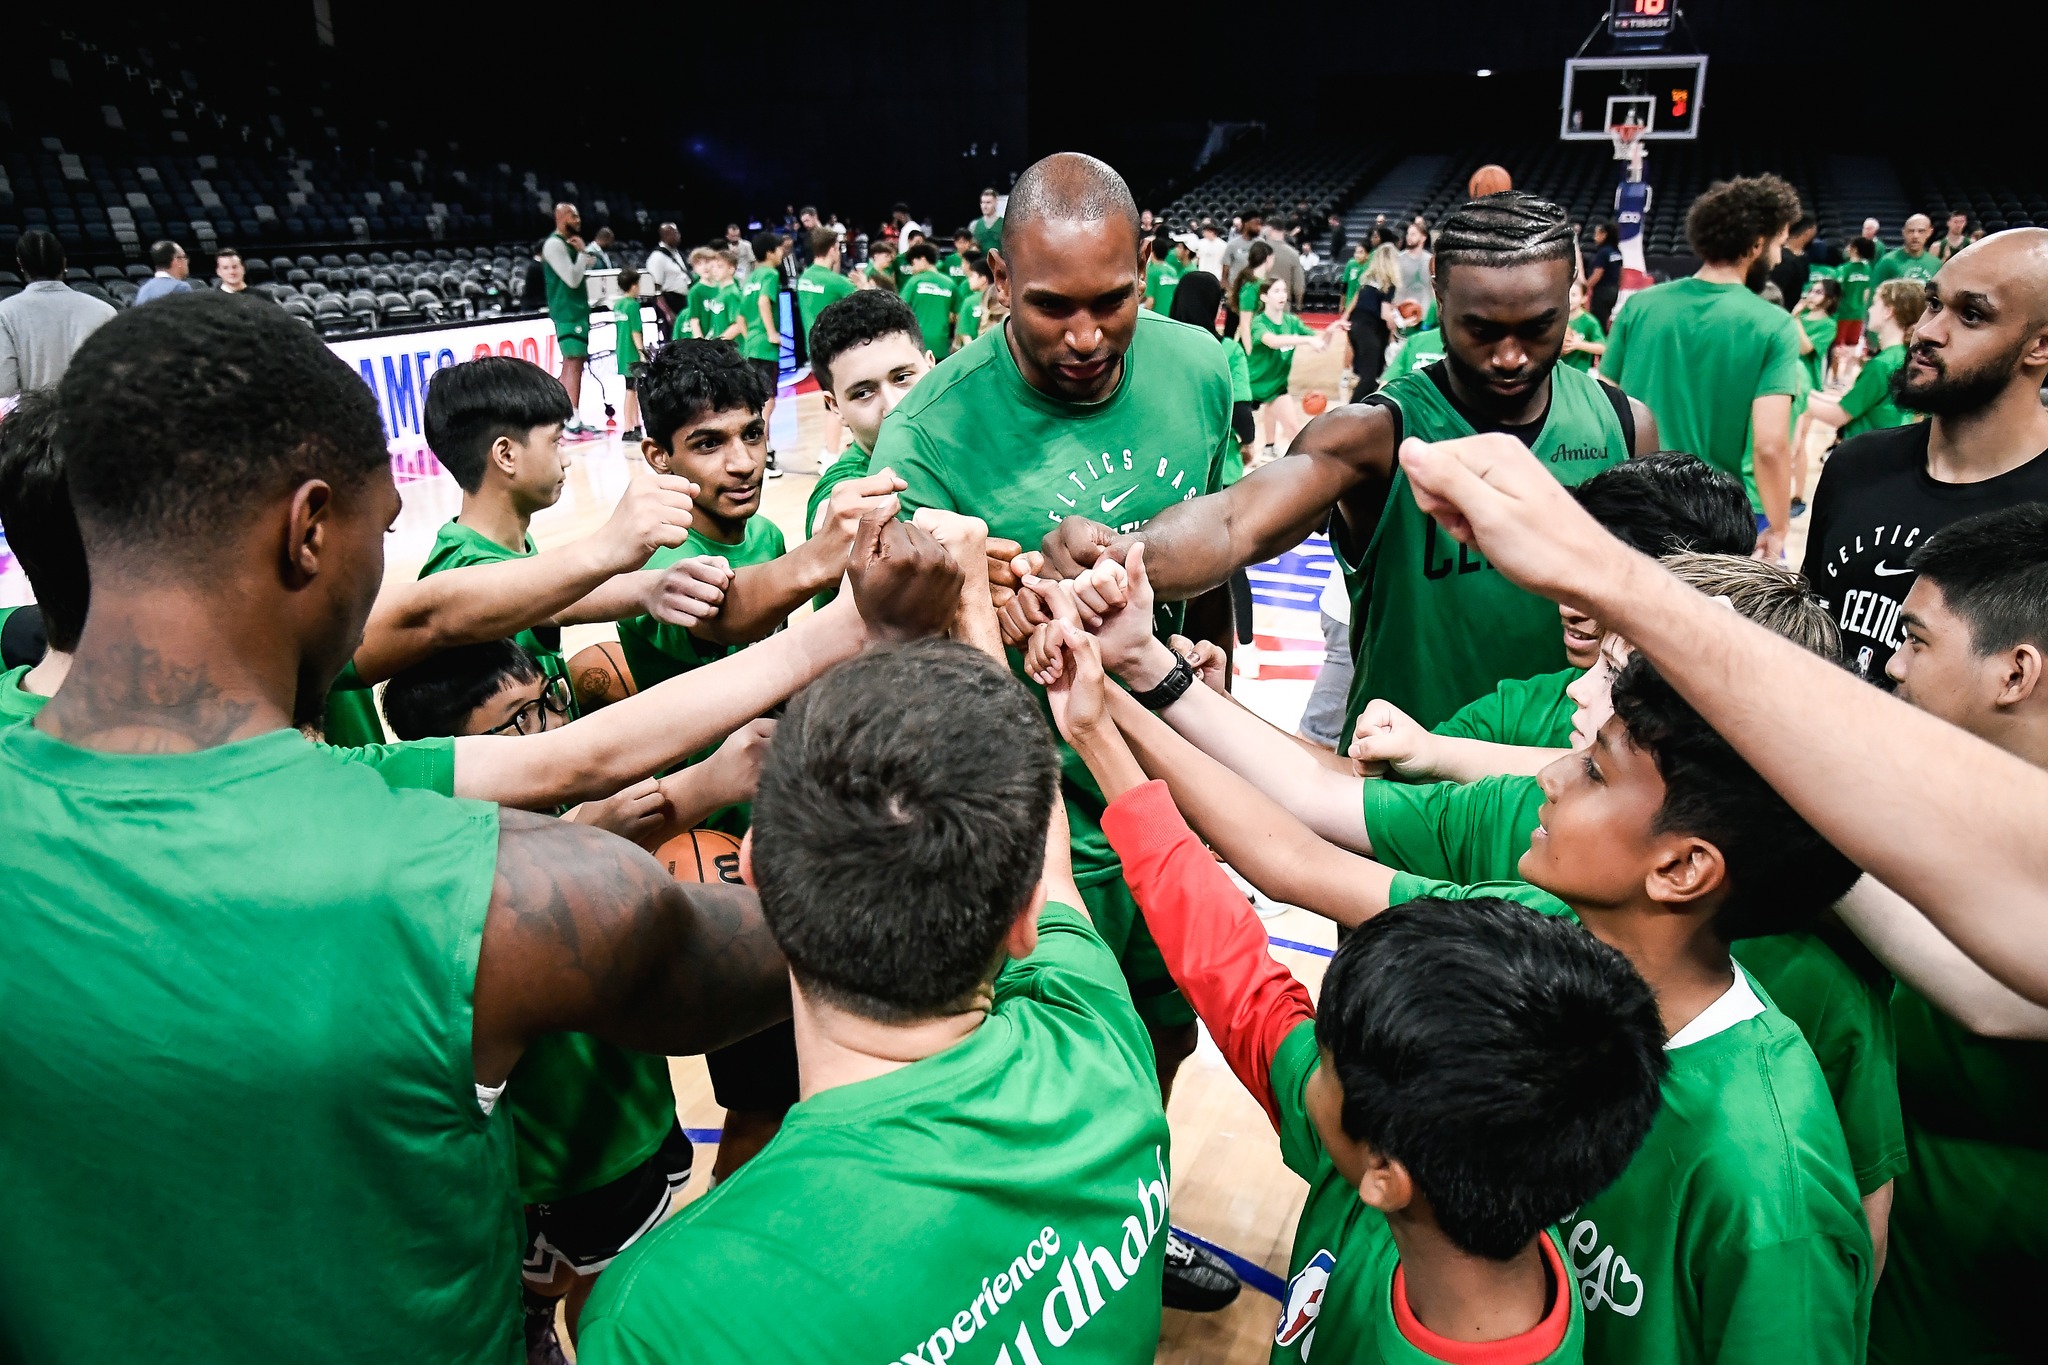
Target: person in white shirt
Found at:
669, 278
43, 325
1209, 249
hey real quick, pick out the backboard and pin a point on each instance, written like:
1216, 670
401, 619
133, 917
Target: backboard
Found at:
1664, 94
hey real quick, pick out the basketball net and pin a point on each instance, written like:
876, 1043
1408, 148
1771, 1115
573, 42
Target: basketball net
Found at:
1628, 146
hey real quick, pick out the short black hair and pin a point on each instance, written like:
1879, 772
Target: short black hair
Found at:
1729, 218
179, 418
434, 697
35, 511
922, 251
764, 243
1669, 501
899, 828
1862, 246
976, 261
1803, 222
693, 376
1510, 1060
472, 404
963, 234
226, 251
1992, 570
1781, 874
861, 317
161, 254
629, 276
40, 255
1501, 230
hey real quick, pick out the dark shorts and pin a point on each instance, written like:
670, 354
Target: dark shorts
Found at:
769, 370
1242, 422
757, 1073
1159, 1002
586, 1231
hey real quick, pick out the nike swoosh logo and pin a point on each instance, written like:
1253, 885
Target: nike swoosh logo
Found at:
1109, 506
1882, 572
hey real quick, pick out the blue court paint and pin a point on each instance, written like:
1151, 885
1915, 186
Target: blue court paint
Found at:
1254, 1275
1300, 947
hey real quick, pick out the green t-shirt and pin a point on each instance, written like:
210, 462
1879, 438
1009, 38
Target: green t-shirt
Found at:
909, 1215
764, 281
1738, 1224
1433, 625
972, 307
1856, 286
351, 718
1969, 1230
1897, 265
712, 309
1248, 295
1530, 711
1868, 403
18, 705
1240, 372
889, 277
656, 651
852, 464
457, 546
1588, 328
626, 333
816, 288
1161, 279
1341, 1271
1270, 366
1698, 354
1159, 439
238, 989
954, 267
1477, 832
1820, 330
1354, 276
1417, 352
988, 232
930, 296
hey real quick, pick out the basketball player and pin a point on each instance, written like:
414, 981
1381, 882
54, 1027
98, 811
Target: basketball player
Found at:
1740, 1213
1435, 1087
988, 229
318, 1028
563, 261
1431, 629
1717, 364
1975, 365
925, 1193
1103, 407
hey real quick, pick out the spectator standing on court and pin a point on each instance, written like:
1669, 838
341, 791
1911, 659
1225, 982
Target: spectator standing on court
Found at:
1287, 265
1789, 274
1413, 261
1372, 316
1870, 230
1716, 365
988, 229
1958, 236
1237, 248
670, 278
230, 275
1210, 248
171, 269
564, 261
1854, 275
1603, 272
1913, 261
739, 246
47, 321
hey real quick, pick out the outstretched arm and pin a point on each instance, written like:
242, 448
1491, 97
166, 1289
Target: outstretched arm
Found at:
761, 596
1919, 955
586, 934
1955, 825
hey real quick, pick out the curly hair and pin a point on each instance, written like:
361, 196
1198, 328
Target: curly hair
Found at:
690, 377
1726, 222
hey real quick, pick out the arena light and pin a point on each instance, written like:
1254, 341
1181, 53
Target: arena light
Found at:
1484, 71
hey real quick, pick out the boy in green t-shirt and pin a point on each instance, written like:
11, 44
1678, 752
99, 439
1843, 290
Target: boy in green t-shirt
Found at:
714, 311
628, 343
819, 286
924, 1193
1162, 274
761, 306
973, 302
1473, 1075
880, 270
1585, 340
988, 229
930, 295
954, 263
1742, 1211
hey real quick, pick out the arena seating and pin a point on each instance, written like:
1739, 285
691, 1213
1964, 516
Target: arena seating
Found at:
1991, 195
1321, 175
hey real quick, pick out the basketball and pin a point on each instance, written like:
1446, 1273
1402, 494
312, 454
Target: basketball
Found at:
1410, 311
1489, 179
600, 676
1314, 401
702, 855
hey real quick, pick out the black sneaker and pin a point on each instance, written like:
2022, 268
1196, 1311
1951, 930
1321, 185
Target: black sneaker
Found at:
542, 1346
1197, 1279
630, 434
1798, 508
774, 466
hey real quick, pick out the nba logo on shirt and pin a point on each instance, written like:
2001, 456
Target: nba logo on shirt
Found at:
1305, 1301
1864, 657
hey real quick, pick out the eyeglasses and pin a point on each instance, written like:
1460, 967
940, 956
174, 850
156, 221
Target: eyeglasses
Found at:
528, 719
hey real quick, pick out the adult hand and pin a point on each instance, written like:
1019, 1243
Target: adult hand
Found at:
1074, 545
1388, 742
654, 514
1770, 545
1002, 569
690, 591
965, 537
1489, 492
575, 240
904, 583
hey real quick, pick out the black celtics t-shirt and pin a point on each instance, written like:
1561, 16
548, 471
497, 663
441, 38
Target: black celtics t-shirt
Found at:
1875, 505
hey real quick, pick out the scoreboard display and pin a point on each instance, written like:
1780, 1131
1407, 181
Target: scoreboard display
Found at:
1641, 21
1664, 94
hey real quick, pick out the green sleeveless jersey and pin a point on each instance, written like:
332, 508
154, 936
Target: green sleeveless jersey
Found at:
568, 304
241, 1108
1433, 625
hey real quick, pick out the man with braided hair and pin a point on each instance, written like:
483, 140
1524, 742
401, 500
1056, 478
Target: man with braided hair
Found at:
1433, 626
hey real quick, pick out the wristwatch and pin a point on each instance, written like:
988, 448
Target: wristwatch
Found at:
1168, 689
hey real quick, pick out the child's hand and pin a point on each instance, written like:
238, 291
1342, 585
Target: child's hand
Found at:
637, 813
1114, 601
1388, 742
734, 768
689, 592
653, 514
854, 499
965, 537
1206, 657
1080, 694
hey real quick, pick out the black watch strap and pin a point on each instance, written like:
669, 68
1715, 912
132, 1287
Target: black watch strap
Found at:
1169, 689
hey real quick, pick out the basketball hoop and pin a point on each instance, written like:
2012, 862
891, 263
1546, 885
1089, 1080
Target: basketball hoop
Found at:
1628, 141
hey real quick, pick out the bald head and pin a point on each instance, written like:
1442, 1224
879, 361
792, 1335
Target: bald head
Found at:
1069, 187
1915, 233
2015, 264
1921, 221
566, 217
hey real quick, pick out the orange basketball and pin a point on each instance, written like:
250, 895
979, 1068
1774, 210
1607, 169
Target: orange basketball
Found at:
1489, 179
600, 676
702, 855
1314, 401
1410, 311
